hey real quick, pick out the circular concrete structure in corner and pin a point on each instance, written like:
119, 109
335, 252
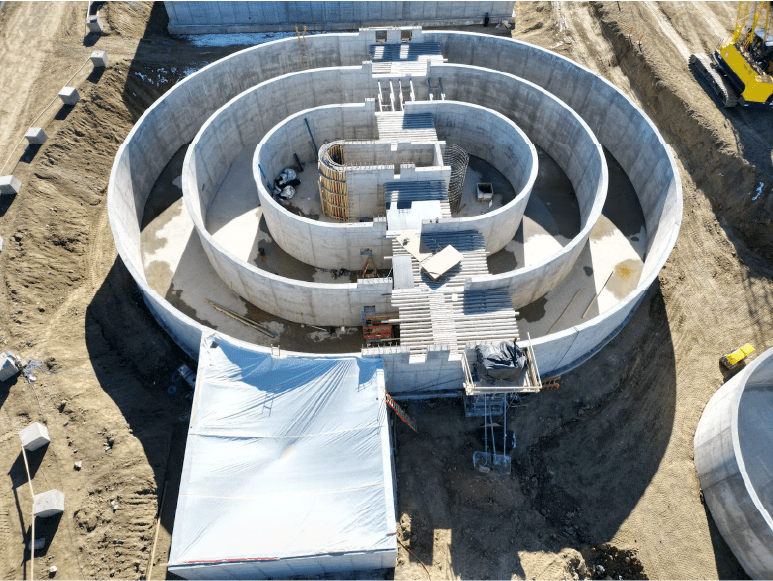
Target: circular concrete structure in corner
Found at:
580, 124
733, 444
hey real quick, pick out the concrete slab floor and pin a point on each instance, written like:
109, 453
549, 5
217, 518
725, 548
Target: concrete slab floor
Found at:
551, 220
235, 220
177, 268
617, 247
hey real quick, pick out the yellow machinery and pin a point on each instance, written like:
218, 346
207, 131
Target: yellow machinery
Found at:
742, 71
734, 359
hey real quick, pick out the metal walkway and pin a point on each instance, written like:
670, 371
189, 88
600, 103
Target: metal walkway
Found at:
403, 193
404, 59
398, 126
470, 243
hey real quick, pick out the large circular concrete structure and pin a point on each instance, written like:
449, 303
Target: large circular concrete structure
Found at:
527, 117
733, 443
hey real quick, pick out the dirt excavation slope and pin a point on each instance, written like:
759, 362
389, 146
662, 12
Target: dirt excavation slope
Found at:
729, 150
603, 472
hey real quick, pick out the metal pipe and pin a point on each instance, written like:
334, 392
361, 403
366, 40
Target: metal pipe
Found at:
308, 127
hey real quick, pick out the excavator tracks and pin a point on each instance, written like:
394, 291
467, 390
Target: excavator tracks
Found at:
708, 70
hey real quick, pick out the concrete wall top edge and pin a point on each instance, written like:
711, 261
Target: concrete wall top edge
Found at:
667, 235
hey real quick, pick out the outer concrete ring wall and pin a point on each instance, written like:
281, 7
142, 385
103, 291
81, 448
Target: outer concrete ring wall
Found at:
744, 521
174, 120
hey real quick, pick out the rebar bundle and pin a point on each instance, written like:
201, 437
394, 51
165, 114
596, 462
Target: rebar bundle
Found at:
458, 159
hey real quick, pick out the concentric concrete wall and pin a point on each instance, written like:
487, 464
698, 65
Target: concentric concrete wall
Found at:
617, 123
487, 134
733, 444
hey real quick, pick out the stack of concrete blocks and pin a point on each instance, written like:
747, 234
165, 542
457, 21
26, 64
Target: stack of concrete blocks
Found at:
36, 136
9, 185
48, 503
99, 58
34, 436
69, 95
8, 366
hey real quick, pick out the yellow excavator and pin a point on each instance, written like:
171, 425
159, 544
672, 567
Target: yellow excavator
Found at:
740, 71
733, 360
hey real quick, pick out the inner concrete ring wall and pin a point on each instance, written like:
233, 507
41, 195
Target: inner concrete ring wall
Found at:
333, 245
622, 127
322, 244
732, 456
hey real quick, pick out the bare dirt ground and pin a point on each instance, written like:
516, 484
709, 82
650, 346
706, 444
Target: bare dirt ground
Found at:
603, 472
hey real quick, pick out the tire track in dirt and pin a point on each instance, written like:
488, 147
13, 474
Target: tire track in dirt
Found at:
101, 251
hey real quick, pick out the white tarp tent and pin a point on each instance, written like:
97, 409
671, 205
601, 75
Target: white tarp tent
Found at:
287, 468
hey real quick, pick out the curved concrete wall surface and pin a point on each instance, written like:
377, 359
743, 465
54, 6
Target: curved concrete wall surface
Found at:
323, 244
563, 134
558, 129
196, 17
631, 138
618, 124
732, 456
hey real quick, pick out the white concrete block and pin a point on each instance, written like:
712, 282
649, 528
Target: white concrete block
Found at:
36, 136
48, 503
94, 23
8, 366
99, 58
1, 243
69, 95
34, 436
9, 185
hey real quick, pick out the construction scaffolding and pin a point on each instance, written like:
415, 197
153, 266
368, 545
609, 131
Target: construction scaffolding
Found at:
333, 193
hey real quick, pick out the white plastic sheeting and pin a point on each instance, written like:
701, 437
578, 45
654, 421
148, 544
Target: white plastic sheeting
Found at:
287, 468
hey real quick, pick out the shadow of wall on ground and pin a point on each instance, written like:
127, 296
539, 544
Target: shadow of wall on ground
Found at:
585, 455
133, 359
132, 356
